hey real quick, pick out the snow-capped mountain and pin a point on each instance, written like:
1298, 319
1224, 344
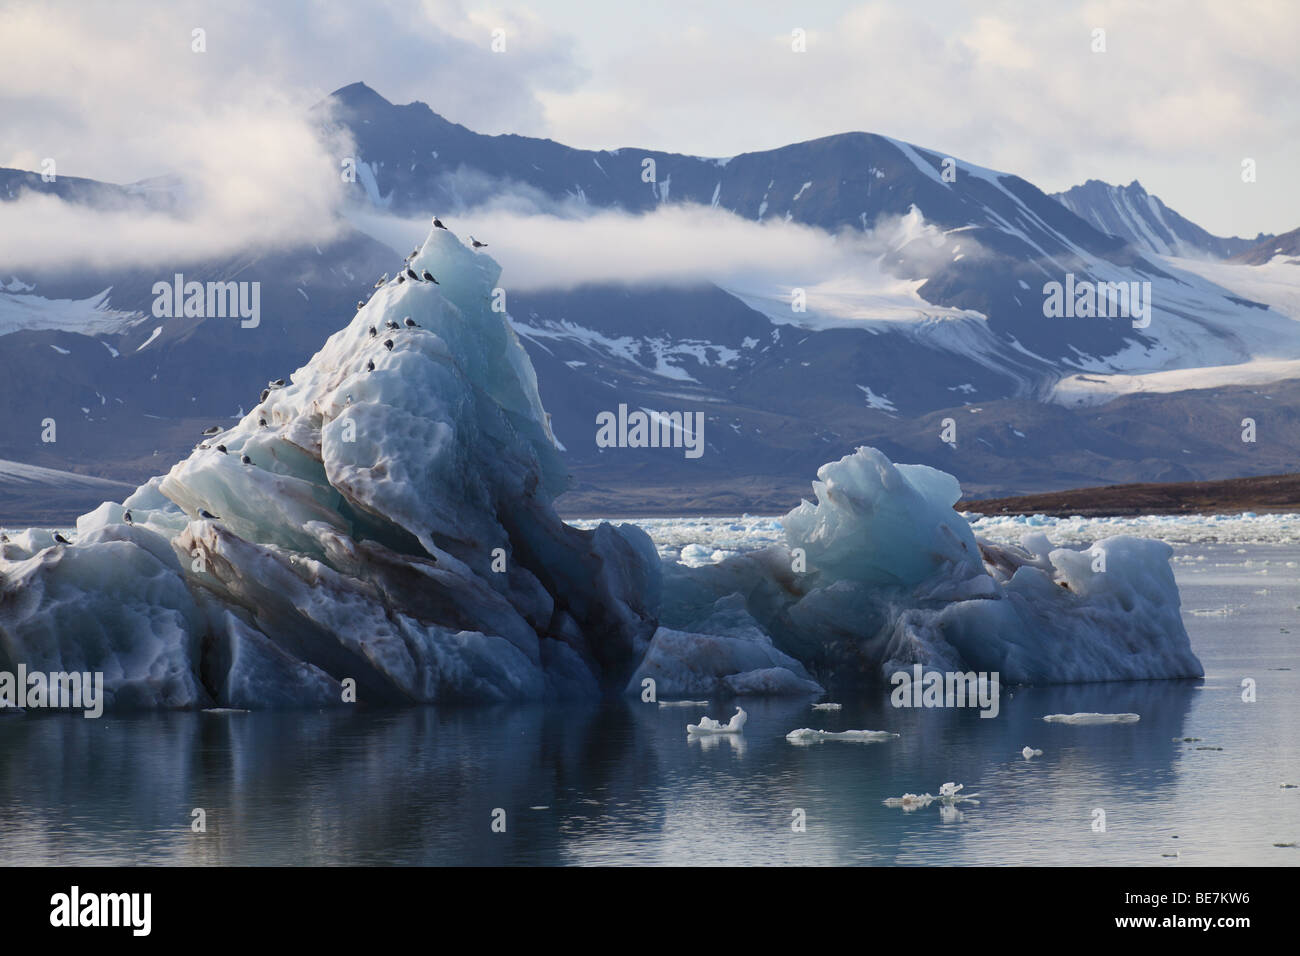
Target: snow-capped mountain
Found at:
1146, 223
945, 321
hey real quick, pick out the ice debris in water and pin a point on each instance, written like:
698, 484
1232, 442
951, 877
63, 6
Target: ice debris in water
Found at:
1092, 718
949, 795
683, 703
806, 735
708, 725
393, 540
1029, 753
827, 706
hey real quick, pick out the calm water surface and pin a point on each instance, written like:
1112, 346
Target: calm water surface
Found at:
618, 782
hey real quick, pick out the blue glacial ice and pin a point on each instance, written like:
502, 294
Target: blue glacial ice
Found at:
394, 541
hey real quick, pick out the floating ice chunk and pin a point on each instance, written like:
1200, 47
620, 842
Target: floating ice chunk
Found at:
1092, 718
910, 801
827, 706
683, 703
806, 735
708, 725
1029, 753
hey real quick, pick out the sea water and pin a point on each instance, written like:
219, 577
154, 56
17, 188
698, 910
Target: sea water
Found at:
1199, 779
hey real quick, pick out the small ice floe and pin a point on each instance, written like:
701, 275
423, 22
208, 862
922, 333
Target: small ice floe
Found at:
1029, 753
225, 710
708, 725
806, 735
910, 801
1092, 718
949, 795
683, 703
828, 706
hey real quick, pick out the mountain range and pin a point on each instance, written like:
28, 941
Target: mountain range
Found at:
941, 333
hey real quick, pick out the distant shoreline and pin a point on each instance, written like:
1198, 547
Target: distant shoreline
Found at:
1264, 493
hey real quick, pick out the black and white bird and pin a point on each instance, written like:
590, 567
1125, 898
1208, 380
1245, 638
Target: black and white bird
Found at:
246, 460
411, 273
410, 323
401, 277
388, 344
61, 539
361, 304
212, 429
428, 277
373, 332
437, 223
261, 423
126, 516
222, 449
278, 383
265, 392
208, 515
381, 280
390, 324
370, 366
477, 244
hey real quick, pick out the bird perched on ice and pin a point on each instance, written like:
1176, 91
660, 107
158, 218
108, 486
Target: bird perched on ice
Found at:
261, 423
212, 429
246, 460
222, 449
373, 332
410, 323
401, 277
370, 365
207, 515
381, 280
428, 277
388, 344
411, 274
477, 244
437, 223
265, 392
391, 325
126, 516
61, 539
278, 383
361, 304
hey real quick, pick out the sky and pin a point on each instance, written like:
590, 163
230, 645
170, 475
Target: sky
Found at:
1181, 94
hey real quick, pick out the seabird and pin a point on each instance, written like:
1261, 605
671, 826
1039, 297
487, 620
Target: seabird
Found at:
388, 344
4, 539
373, 332
126, 516
437, 223
477, 244
411, 272
208, 515
61, 539
265, 392
203, 445
361, 304
261, 422
278, 383
222, 449
370, 366
381, 280
390, 324
401, 277
410, 323
212, 429
428, 277
246, 460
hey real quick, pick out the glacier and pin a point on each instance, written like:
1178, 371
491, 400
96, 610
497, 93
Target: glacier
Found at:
392, 538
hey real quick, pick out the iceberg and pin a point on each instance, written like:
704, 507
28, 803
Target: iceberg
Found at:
1092, 718
380, 529
806, 735
708, 725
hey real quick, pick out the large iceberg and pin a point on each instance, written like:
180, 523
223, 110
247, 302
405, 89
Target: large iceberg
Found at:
381, 529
